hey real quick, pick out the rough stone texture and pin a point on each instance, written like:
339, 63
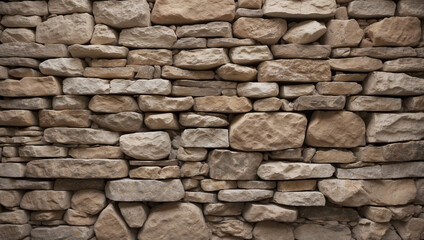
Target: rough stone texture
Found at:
112, 104
222, 104
89, 201
119, 122
356, 64
368, 9
250, 54
148, 103
18, 118
297, 70
295, 9
270, 230
64, 67
384, 83
268, 212
265, 31
75, 135
62, 232
244, 195
148, 37
111, 225
308, 231
305, 32
301, 51
392, 171
205, 138
287, 171
404, 65
395, 31
318, 102
343, 33
122, 14
201, 59
97, 51
34, 50
31, 87
64, 118
146, 146
230, 165
376, 104
46, 200
66, 7
410, 8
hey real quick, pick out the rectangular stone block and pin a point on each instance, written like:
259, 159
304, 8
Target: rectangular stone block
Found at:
205, 138
33, 50
80, 136
288, 171
300, 198
390, 171
10, 184
31, 87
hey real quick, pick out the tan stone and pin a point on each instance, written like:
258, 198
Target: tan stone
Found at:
338, 88
155, 172
149, 103
343, 33
192, 169
119, 122
234, 72
404, 65
18, 118
80, 136
135, 214
17, 35
122, 14
272, 231
271, 104
9, 184
253, 212
31, 87
299, 185
310, 198
205, 138
231, 229
375, 104
413, 8
148, 37
26, 8
310, 231
294, 91
265, 31
244, 195
89, 201
23, 72
257, 90
230, 165
201, 59
318, 102
356, 64
212, 29
28, 50
161, 121
64, 118
20, 21
12, 170
340, 129
222, 104
295, 9
411, 229
64, 67
377, 214
111, 225
46, 200
244, 134
74, 217
42, 151
113, 72
192, 119
383, 52
333, 156
151, 86
146, 146
305, 32
96, 152
14, 217
368, 9
62, 231
383, 83
10, 198
210, 185
367, 229
288, 171
171, 72
112, 104
229, 42
223, 209
14, 231
250, 54
395, 31
412, 104
150, 57
301, 51
66, 7
85, 86
103, 34
187, 12
97, 51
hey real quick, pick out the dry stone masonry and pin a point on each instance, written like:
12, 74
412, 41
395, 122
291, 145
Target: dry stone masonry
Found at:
209, 120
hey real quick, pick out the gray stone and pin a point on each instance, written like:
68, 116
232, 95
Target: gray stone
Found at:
301, 51
244, 195
212, 29
146, 146
20, 21
151, 86
410, 8
230, 165
272, 231
310, 231
32, 50
368, 9
288, 171
122, 14
86, 86
26, 8
223, 209
135, 214
15, 184
374, 104
318, 102
42, 151
12, 170
329, 214
404, 65
14, 231
356, 64
392, 171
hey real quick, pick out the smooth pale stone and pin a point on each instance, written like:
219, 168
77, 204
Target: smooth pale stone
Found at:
122, 14
386, 127
368, 9
383, 52
392, 171
149, 103
14, 217
146, 146
111, 225
172, 72
12, 170
112, 104
254, 212
270, 230
301, 51
374, 104
26, 8
98, 51
212, 29
413, 8
20, 62
234, 72
250, 54
286, 171
96, 152
9, 184
135, 214
85, 86
356, 64
119, 122
23, 72
161, 121
267, 105
355, 193
223, 209
64, 67
188, 12
201, 59
396, 84
65, 135
300, 198
77, 168
66, 6
192, 119
114, 72
294, 91
288, 131
10, 198
338, 88
14, 231
151, 86
127, 190
20, 21
64, 118
329, 214
190, 43
224, 104
404, 65
244, 195
411, 229
294, 186
158, 226
305, 32
210, 185
32, 50
296, 70
68, 29
191, 154
104, 35
318, 102
31, 87
231, 165
20, 118
412, 104
17, 35
296, 9
150, 57
42, 151
377, 214
343, 33
265, 31
205, 138
46, 200
257, 90
148, 37
311, 231
229, 42
395, 31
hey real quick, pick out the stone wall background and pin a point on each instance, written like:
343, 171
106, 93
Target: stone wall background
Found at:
197, 119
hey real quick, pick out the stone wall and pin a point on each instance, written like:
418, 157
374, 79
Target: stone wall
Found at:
201, 119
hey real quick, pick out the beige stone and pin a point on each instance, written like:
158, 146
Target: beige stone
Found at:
155, 172
14, 217
74, 217
84, 86
80, 136
295, 9
17, 35
288, 171
383, 52
223, 209
412, 8
42, 151
66, 6
112, 104
265, 31
111, 225
310, 231
343, 33
122, 14
244, 195
230, 229
201, 59
254, 212
356, 64
299, 185
190, 43
250, 54
151, 86
21, 118
113, 72
210, 185
212, 29
367, 229
192, 169
338, 88
187, 12
191, 154
12, 170
150, 57
64, 67
257, 90
271, 104
149, 103
9, 184
26, 8
395, 31
96, 152
30, 50
412, 104
301, 51
234, 72
146, 146
205, 138
64, 118
97, 51
375, 104
244, 134
46, 200
31, 87
171, 72
311, 198
368, 9
62, 231
377, 214
229, 42
404, 65
20, 21
270, 230
231, 165
305, 32
14, 231
103, 34
148, 37
192, 119
135, 214
23, 72
222, 104
119, 122
10, 198
294, 91
383, 83
333, 156
411, 229
89, 201
161, 121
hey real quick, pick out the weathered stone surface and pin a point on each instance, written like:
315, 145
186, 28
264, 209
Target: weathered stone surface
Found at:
78, 218
150, 57
103, 34
21, 61
14, 231
64, 118
64, 67
338, 88
97, 51
17, 35
272, 231
157, 225
343, 33
412, 104
128, 190
31, 50
78, 184
20, 21
135, 214
410, 8
395, 31
122, 14
12, 170
192, 119
231, 228
68, 29
295, 9
161, 121
190, 42
234, 72
297, 70
111, 225
356, 64
151, 86
318, 102
411, 229
9, 183
43, 151
212, 29
85, 86
368, 9
171, 72
10, 198
26, 8
250, 54
23, 72
301, 51
229, 42
367, 229
286, 171
191, 154
149, 103
305, 32
14, 217
377, 214
223, 209
201, 59
30, 87
205, 138
154, 172
222, 104
210, 185
267, 104
46, 200
340, 129
112, 104
254, 212
265, 31
392, 171
112, 72
300, 198
354, 193
386, 127
383, 52
80, 136
404, 65
119, 122
310, 231
299, 185
294, 91
89, 201
148, 37
333, 156
257, 89
200, 197
62, 232
18, 118
375, 104
146, 146
66, 7
244, 195
244, 134
329, 213
187, 12
230, 165
383, 83
107, 152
